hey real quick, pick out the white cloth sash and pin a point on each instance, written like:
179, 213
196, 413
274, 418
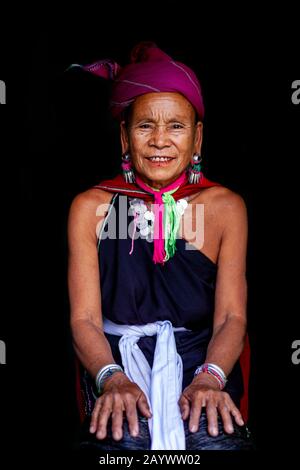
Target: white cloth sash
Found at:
162, 385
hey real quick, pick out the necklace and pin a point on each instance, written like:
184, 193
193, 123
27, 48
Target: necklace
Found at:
144, 217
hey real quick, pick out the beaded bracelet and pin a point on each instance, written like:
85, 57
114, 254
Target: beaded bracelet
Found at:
214, 370
104, 373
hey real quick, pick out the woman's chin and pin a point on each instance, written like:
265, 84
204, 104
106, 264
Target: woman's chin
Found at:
160, 177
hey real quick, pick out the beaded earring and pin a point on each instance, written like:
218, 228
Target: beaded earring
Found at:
128, 172
194, 170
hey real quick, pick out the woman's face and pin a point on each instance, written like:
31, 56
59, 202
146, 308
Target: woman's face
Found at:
161, 137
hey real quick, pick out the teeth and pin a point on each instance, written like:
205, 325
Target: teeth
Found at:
160, 159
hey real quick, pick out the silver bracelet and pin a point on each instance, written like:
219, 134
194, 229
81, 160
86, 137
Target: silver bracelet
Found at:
214, 370
104, 373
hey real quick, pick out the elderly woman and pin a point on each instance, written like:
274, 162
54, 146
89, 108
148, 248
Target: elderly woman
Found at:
157, 279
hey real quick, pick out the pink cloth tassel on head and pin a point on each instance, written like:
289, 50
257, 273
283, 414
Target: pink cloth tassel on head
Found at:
159, 245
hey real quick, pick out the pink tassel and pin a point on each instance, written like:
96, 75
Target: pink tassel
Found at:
159, 245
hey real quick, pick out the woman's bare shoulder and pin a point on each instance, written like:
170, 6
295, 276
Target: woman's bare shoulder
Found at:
88, 209
221, 197
89, 200
224, 205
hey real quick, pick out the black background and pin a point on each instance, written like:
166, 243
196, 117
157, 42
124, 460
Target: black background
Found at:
57, 139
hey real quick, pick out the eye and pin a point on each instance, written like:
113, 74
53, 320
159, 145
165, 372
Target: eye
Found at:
145, 126
177, 126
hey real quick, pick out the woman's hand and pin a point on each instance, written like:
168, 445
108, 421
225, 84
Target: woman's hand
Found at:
204, 391
119, 395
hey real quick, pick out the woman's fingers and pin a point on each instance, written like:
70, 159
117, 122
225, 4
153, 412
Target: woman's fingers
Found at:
227, 409
143, 406
195, 413
94, 419
212, 417
117, 418
184, 406
103, 417
114, 404
237, 416
215, 402
132, 417
226, 418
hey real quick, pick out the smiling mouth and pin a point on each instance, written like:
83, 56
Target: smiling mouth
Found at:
159, 159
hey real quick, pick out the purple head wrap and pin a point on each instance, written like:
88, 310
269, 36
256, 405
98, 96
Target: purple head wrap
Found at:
150, 70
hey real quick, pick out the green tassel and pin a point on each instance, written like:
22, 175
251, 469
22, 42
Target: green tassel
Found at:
171, 223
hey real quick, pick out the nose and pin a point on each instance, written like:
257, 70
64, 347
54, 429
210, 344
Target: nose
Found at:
159, 137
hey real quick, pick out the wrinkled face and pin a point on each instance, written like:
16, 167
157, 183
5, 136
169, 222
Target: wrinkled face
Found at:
161, 137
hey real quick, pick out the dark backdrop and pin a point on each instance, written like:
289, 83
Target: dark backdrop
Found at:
58, 140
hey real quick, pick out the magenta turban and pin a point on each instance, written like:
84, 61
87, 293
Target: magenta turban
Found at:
150, 70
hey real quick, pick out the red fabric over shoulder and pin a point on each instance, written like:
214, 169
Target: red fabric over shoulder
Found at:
245, 366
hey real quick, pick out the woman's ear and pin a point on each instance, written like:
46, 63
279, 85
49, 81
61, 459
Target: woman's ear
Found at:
124, 137
198, 138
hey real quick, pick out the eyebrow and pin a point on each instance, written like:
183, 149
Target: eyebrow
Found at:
175, 119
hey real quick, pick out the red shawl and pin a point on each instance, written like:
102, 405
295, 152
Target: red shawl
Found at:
118, 185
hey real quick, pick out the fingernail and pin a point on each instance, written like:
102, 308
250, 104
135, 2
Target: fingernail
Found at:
117, 435
214, 431
92, 429
194, 428
135, 432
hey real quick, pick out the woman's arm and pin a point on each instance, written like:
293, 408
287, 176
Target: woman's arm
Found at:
229, 326
230, 317
90, 343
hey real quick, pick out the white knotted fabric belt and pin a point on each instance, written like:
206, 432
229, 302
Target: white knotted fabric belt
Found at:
162, 385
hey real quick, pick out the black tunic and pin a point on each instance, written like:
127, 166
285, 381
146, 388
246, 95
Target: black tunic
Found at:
134, 290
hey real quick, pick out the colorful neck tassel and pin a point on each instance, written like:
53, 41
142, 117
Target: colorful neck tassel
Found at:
166, 218
171, 224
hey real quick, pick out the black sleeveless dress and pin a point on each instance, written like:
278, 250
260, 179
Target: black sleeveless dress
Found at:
134, 290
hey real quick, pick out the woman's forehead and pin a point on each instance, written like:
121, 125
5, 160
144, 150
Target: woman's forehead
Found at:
169, 103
